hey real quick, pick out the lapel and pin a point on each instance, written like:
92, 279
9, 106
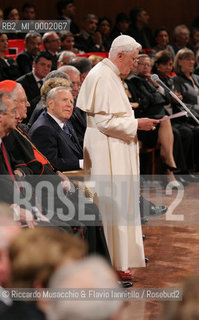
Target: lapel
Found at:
34, 87
62, 134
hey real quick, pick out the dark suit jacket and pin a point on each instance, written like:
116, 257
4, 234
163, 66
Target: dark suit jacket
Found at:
8, 71
24, 61
32, 90
55, 144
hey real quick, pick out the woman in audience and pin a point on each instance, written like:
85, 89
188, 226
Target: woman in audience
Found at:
187, 84
151, 104
163, 68
67, 41
8, 68
162, 41
12, 13
104, 27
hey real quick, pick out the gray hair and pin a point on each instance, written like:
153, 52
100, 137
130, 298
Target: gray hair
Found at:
14, 92
57, 74
32, 35
52, 93
92, 273
179, 28
3, 106
90, 16
66, 53
69, 69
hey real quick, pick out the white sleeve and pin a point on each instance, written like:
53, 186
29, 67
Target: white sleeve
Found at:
120, 127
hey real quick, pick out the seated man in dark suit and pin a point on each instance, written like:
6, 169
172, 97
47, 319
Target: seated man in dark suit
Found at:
53, 134
78, 117
32, 82
52, 45
32, 48
89, 40
66, 11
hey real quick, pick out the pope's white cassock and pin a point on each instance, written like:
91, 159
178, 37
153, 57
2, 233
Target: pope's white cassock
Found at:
111, 159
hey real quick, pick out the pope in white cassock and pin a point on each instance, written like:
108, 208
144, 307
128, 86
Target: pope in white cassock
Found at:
111, 154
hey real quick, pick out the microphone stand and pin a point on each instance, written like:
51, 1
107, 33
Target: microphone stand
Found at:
155, 78
184, 106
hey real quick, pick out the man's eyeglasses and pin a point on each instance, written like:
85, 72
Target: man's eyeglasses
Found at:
144, 64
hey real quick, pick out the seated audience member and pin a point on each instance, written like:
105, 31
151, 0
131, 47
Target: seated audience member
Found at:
194, 40
54, 136
52, 45
78, 118
10, 185
181, 36
89, 40
187, 306
163, 67
67, 41
92, 273
33, 81
57, 81
74, 76
8, 68
139, 29
66, 11
121, 25
187, 84
12, 13
83, 65
34, 256
64, 196
151, 105
162, 41
28, 11
196, 69
104, 27
32, 48
65, 57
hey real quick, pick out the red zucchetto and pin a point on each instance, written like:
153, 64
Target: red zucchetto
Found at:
7, 85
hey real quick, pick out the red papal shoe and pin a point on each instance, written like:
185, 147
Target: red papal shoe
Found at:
125, 275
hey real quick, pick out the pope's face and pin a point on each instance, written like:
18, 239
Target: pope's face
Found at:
128, 61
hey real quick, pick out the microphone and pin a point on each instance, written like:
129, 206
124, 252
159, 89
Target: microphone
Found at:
155, 78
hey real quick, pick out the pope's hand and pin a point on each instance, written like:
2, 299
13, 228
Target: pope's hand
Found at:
147, 124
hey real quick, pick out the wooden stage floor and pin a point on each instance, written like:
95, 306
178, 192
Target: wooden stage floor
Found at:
172, 247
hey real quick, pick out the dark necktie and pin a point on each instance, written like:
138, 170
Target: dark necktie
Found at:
40, 83
66, 129
71, 133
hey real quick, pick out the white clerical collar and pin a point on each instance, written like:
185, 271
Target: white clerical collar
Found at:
0, 141
36, 78
59, 122
111, 65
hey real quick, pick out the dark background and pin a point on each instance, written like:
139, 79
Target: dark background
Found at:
168, 13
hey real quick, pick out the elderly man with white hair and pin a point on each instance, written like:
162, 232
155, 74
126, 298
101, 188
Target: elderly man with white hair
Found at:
111, 152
